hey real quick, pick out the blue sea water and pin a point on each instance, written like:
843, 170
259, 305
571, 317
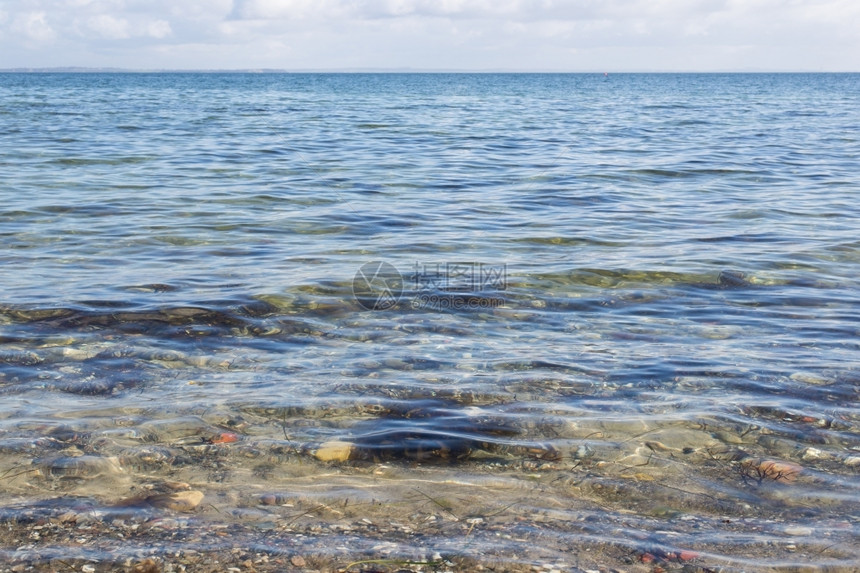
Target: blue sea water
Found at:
628, 304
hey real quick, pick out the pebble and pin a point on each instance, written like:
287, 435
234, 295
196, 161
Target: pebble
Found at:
852, 461
798, 530
779, 470
809, 378
225, 438
812, 454
583, 451
728, 438
68, 517
646, 558
659, 447
676, 439
334, 451
634, 460
178, 501
77, 354
298, 561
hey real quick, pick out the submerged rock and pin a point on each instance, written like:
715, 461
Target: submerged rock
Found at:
776, 470
176, 501
810, 378
76, 465
431, 432
733, 279
334, 451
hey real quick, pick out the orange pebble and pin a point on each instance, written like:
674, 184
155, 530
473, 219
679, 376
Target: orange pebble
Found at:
779, 470
225, 438
646, 558
688, 555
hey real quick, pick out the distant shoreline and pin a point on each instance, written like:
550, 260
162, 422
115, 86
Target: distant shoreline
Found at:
87, 70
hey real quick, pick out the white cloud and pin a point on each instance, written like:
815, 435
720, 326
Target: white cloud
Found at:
108, 27
463, 34
158, 29
34, 27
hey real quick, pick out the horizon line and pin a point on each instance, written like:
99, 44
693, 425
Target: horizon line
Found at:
103, 69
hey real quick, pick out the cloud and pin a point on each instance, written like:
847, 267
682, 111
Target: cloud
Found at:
433, 34
34, 27
158, 29
109, 27
509, 10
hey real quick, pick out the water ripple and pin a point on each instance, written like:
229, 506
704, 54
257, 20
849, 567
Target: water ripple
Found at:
656, 364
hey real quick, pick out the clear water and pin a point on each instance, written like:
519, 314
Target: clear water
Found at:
623, 321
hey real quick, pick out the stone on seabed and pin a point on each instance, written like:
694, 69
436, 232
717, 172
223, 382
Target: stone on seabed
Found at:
809, 378
178, 501
334, 451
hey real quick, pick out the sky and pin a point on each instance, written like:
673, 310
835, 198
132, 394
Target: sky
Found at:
466, 35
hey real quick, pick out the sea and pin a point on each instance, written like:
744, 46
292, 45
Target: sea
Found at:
430, 322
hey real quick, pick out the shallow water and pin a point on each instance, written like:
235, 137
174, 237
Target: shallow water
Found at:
619, 326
